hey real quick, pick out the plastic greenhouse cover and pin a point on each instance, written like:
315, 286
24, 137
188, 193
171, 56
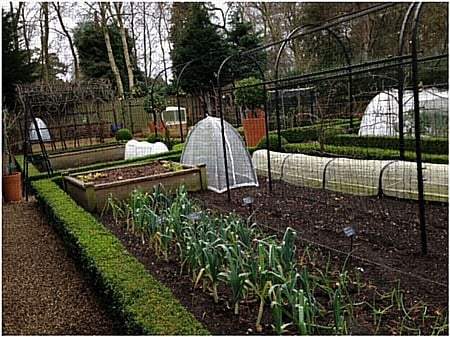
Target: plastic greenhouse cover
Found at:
204, 146
356, 176
136, 149
381, 115
43, 130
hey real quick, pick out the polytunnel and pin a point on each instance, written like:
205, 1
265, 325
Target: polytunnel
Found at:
356, 176
381, 114
204, 145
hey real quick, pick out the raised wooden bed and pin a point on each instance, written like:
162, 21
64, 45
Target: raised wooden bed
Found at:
92, 196
71, 159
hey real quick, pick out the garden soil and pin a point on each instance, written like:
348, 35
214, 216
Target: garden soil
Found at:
43, 291
387, 252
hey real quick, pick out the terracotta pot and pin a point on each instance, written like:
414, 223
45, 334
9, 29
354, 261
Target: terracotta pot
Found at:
254, 130
12, 187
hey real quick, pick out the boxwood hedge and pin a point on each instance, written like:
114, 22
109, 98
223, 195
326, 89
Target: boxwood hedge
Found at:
143, 305
429, 145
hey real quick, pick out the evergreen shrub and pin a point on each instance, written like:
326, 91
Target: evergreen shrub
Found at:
273, 143
124, 135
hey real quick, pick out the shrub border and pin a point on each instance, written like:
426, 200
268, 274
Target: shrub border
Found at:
143, 305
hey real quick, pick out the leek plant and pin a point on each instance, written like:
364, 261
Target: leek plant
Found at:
213, 258
138, 201
257, 280
115, 205
231, 250
164, 238
234, 275
276, 305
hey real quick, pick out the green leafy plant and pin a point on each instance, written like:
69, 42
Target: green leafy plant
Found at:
123, 135
152, 138
250, 93
273, 143
173, 166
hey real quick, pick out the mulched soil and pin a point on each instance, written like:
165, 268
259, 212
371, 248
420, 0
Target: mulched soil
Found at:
387, 248
43, 291
123, 173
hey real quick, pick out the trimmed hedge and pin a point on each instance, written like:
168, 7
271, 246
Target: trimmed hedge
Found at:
273, 142
362, 153
429, 145
312, 132
143, 304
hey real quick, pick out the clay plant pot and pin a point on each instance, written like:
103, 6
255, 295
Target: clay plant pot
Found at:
12, 187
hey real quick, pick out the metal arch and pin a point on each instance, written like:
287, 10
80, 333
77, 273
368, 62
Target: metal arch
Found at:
293, 35
222, 126
219, 91
350, 77
277, 63
152, 90
400, 85
152, 97
178, 97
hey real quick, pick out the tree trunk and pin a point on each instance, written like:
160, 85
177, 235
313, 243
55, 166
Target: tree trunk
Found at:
25, 37
126, 53
162, 10
112, 61
45, 60
144, 18
15, 23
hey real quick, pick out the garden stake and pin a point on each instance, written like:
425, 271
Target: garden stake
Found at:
248, 201
349, 232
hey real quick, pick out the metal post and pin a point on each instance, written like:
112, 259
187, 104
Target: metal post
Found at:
417, 131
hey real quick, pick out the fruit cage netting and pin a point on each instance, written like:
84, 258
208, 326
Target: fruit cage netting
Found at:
320, 100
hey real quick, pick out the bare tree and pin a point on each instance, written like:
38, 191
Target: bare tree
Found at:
15, 22
57, 8
147, 44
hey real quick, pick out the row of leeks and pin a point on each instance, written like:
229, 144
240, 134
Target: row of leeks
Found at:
228, 250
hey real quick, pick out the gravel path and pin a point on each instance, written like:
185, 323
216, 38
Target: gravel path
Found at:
43, 292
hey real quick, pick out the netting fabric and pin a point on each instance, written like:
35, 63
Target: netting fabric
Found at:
204, 145
356, 176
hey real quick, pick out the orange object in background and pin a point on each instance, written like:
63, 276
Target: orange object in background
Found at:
12, 187
160, 125
254, 130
